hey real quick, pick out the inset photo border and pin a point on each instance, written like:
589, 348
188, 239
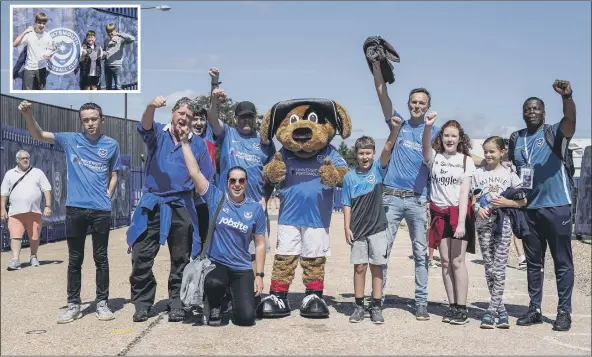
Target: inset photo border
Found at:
75, 48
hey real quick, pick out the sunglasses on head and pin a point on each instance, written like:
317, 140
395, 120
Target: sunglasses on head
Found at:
233, 180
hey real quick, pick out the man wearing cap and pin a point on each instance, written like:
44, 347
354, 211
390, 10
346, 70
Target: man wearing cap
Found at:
241, 146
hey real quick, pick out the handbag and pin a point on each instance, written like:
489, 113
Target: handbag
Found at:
194, 274
13, 186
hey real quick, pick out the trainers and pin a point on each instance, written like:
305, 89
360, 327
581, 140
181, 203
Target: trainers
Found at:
449, 314
562, 322
34, 261
71, 314
176, 315
376, 315
533, 316
487, 321
432, 264
358, 314
421, 313
103, 312
15, 264
214, 319
461, 317
503, 320
141, 315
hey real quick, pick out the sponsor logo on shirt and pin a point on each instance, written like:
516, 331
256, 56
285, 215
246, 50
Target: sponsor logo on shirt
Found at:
228, 221
300, 171
410, 145
91, 165
245, 156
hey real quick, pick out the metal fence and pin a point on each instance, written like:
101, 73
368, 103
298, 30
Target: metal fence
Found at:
51, 159
58, 119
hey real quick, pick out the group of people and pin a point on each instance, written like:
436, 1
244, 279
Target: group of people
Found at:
184, 206
40, 48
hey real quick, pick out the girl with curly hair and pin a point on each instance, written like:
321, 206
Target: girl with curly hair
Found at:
451, 230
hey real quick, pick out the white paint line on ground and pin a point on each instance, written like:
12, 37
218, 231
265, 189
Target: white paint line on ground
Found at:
553, 339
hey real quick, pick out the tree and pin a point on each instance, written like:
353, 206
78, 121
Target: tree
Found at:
348, 154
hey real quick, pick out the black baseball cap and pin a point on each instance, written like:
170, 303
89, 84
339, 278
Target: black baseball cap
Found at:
244, 108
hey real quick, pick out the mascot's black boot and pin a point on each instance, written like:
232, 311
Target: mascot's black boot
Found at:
274, 305
313, 305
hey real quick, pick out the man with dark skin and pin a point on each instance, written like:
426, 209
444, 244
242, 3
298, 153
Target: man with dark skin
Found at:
548, 213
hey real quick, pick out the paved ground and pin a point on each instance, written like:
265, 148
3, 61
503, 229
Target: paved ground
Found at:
33, 298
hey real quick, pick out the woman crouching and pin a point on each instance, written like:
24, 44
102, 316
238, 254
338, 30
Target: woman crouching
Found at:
238, 219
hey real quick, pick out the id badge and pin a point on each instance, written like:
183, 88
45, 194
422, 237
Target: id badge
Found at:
526, 176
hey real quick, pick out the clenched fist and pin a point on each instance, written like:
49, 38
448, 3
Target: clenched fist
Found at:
215, 74
25, 107
158, 102
275, 171
562, 87
430, 118
219, 96
396, 121
29, 29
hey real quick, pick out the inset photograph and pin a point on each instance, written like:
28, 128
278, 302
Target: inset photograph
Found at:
70, 48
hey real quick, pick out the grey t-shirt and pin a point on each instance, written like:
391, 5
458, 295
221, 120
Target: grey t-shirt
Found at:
114, 48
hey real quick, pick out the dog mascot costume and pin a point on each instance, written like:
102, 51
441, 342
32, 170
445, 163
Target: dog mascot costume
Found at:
307, 168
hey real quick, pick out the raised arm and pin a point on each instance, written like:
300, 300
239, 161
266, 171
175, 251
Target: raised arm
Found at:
217, 97
426, 141
568, 123
35, 130
200, 181
148, 116
390, 143
382, 92
19, 39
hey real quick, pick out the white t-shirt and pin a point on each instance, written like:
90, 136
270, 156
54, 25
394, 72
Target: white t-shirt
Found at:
495, 181
26, 196
446, 172
38, 45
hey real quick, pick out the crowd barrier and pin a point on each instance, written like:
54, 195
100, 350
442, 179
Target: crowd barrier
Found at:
583, 203
51, 159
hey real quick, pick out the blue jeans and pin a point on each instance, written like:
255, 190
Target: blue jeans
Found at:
413, 209
113, 74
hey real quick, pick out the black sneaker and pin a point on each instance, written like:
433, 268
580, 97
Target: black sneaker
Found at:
533, 316
176, 315
461, 317
376, 315
487, 321
562, 322
421, 313
449, 314
141, 315
215, 319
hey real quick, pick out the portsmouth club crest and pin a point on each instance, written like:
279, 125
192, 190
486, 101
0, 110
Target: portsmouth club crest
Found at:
65, 59
248, 215
540, 142
57, 186
102, 153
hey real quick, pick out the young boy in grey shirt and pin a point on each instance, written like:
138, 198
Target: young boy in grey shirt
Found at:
114, 55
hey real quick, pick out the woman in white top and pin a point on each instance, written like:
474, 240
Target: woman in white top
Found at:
451, 171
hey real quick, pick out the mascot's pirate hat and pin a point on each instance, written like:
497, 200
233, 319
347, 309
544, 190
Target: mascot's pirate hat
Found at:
326, 110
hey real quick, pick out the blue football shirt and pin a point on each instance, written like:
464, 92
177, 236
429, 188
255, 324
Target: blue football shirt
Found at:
235, 225
304, 201
89, 167
248, 152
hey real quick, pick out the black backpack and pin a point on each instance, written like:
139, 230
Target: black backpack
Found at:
554, 143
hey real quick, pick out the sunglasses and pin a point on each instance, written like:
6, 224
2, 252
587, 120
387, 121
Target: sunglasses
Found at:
241, 180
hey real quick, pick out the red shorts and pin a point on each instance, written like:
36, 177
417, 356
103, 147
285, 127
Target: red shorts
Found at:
30, 222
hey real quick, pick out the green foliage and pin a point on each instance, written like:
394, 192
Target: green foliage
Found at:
348, 154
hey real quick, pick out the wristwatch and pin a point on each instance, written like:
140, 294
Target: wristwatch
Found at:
260, 274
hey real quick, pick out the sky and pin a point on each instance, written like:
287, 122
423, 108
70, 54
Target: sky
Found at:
479, 60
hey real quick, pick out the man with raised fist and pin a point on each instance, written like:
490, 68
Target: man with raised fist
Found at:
92, 165
166, 212
540, 155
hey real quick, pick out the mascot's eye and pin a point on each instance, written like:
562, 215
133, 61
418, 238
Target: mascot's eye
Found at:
294, 118
313, 117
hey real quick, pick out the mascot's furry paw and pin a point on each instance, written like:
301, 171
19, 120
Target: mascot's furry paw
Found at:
275, 171
330, 176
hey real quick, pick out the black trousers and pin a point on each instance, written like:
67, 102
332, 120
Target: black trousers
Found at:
550, 226
203, 221
78, 220
242, 288
145, 249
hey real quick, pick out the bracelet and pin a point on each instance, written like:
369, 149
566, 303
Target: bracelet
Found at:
566, 97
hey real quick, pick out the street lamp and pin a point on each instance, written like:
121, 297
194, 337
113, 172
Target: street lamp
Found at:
161, 8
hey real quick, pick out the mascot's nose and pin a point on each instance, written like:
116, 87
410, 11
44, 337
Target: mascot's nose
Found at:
302, 135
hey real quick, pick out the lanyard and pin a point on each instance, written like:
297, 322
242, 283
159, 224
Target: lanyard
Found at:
527, 156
